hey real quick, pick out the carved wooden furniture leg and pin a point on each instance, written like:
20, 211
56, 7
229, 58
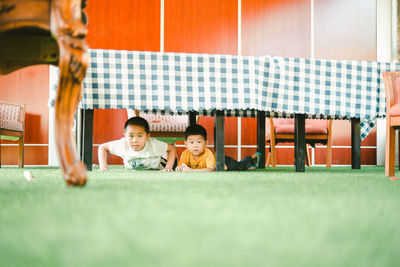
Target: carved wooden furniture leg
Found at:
70, 32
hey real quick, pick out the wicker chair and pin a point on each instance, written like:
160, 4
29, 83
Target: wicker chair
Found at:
12, 123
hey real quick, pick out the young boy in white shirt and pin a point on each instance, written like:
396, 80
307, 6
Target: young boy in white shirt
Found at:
137, 149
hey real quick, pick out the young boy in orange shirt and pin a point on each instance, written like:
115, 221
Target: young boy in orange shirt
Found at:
197, 157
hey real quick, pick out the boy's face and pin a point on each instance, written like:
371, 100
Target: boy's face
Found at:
196, 144
136, 136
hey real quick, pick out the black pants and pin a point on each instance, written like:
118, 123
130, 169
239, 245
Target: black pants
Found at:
164, 163
244, 164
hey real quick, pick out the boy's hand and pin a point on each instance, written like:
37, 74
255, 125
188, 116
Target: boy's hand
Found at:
179, 168
103, 168
183, 168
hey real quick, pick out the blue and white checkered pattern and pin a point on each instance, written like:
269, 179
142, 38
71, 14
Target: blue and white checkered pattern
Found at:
240, 85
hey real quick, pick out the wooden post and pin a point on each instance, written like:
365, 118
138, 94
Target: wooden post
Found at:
219, 122
87, 138
299, 142
355, 144
261, 137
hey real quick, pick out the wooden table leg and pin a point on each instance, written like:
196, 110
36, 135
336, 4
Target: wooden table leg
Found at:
299, 142
261, 137
70, 32
219, 122
355, 144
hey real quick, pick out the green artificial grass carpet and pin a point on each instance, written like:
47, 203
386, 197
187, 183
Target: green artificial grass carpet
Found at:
272, 217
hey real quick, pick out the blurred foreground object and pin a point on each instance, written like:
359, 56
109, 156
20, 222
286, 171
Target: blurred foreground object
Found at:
50, 32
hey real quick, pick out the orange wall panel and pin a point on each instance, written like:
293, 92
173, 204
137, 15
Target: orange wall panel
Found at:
276, 27
249, 131
33, 155
207, 26
124, 24
30, 86
343, 30
111, 159
108, 124
368, 156
347, 30
121, 25
370, 140
341, 133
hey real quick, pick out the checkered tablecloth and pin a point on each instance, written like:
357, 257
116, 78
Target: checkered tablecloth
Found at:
239, 85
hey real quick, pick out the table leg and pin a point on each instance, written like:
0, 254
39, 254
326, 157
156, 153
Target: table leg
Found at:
87, 137
192, 117
261, 137
355, 144
219, 122
299, 142
70, 32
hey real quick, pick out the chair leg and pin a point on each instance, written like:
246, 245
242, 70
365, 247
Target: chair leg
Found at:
398, 144
329, 154
0, 152
268, 162
21, 152
390, 150
273, 154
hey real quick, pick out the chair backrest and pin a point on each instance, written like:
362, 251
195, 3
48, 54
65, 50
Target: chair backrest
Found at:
317, 126
163, 123
313, 126
392, 88
166, 123
12, 116
278, 122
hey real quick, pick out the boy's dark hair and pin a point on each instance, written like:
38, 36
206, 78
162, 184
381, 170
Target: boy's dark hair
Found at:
195, 129
138, 121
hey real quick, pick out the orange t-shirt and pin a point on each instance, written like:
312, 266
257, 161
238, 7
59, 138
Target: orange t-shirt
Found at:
205, 160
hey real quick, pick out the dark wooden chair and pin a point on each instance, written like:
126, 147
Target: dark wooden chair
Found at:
50, 32
282, 131
12, 124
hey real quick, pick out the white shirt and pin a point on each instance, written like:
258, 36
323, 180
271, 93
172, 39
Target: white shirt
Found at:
147, 158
